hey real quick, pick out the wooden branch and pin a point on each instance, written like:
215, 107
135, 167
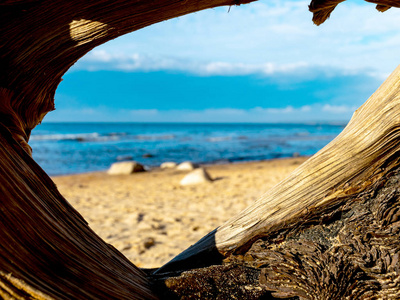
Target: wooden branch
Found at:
46, 247
322, 9
41, 40
350, 251
365, 151
331, 230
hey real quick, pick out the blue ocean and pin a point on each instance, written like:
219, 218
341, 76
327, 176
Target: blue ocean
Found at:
70, 148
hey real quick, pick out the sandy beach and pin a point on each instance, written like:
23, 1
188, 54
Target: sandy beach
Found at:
150, 218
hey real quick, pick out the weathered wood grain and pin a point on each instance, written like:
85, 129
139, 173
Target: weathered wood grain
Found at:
41, 40
322, 9
49, 252
46, 247
331, 230
365, 151
350, 251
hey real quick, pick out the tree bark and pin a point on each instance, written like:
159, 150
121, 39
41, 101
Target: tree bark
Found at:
47, 249
331, 230
41, 40
322, 9
49, 252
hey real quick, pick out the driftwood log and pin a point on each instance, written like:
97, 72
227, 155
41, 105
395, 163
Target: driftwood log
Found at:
329, 231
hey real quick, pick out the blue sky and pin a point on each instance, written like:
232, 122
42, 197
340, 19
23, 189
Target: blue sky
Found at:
261, 62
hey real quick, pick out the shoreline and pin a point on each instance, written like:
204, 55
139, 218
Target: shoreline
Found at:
204, 165
75, 148
151, 218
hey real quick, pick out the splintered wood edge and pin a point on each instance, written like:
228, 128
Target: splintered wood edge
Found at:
344, 167
73, 32
322, 9
18, 289
365, 151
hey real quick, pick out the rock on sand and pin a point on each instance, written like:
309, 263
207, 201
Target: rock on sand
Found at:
168, 165
125, 168
187, 166
197, 176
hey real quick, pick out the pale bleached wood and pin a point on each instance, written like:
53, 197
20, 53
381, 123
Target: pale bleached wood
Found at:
364, 152
347, 165
331, 230
48, 251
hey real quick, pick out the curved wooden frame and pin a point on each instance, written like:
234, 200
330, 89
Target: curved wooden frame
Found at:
47, 250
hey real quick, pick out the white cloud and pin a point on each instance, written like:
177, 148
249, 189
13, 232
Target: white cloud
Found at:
144, 112
338, 109
259, 37
285, 110
223, 112
288, 114
102, 60
305, 108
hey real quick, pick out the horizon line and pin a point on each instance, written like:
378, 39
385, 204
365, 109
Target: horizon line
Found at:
202, 122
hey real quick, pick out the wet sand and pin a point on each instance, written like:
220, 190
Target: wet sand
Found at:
150, 218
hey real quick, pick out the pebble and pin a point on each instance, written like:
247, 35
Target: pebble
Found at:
187, 166
197, 176
149, 242
125, 168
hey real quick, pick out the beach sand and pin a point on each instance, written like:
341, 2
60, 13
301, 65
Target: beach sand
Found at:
150, 218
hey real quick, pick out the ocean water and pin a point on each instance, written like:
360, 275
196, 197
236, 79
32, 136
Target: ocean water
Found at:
70, 148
